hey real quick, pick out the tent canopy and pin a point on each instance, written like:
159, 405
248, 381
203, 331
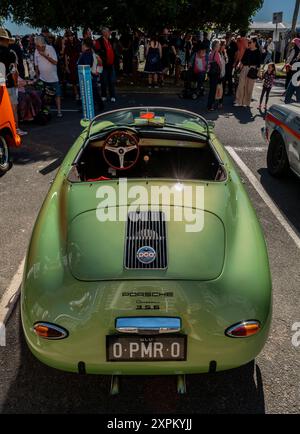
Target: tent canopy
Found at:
268, 26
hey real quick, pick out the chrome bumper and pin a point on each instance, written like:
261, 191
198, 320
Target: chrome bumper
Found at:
148, 325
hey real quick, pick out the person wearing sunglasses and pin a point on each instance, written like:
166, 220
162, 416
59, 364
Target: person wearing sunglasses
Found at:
249, 67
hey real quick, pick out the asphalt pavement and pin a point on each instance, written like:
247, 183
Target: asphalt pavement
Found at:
270, 385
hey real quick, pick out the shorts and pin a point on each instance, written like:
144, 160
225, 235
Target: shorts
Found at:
13, 94
56, 86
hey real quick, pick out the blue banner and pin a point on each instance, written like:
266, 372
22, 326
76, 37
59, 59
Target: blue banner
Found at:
86, 91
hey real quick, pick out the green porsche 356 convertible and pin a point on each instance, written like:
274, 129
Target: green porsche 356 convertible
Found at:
147, 257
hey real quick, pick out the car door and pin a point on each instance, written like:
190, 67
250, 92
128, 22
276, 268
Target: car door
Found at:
294, 143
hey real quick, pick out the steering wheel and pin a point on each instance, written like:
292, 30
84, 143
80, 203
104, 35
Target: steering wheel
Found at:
121, 144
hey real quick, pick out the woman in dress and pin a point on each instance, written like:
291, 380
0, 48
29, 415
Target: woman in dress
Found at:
165, 59
153, 65
30, 103
224, 61
249, 66
214, 73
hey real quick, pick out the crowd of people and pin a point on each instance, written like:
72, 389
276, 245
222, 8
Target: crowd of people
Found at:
231, 65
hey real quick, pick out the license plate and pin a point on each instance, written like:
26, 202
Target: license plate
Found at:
146, 348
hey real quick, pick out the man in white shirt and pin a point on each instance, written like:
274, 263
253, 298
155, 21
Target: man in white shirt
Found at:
269, 49
45, 60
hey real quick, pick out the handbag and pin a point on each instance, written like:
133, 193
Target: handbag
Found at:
253, 73
97, 67
219, 91
214, 68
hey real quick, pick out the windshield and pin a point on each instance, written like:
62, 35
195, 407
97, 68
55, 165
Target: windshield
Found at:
150, 116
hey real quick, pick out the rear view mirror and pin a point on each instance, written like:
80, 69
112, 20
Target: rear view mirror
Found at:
85, 123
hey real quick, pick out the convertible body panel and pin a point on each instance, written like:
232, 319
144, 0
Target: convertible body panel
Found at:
75, 277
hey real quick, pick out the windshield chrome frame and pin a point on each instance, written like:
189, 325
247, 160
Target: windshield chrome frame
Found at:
149, 109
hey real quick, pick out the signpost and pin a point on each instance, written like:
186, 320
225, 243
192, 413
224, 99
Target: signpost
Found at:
86, 91
277, 19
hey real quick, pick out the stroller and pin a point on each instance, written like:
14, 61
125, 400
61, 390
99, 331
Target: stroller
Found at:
47, 96
191, 89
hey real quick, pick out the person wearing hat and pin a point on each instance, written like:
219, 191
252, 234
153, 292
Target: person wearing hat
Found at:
16, 47
10, 60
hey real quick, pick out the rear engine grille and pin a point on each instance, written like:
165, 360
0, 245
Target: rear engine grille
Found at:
146, 236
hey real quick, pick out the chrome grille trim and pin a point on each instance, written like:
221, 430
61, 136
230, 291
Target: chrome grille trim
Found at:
146, 229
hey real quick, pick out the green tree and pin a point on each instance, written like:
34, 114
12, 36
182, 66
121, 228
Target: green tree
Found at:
232, 14
151, 15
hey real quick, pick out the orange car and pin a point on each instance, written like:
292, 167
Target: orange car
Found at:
8, 133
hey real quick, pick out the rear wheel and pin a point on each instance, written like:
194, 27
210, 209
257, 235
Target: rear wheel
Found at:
278, 163
5, 161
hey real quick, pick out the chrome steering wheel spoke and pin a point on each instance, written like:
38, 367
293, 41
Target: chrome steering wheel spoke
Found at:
112, 149
130, 148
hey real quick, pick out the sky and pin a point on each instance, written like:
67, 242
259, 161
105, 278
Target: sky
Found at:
270, 6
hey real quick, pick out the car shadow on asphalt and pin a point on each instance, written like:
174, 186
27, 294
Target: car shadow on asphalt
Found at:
285, 193
30, 154
38, 389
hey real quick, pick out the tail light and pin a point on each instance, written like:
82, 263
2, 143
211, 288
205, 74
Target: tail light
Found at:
50, 331
243, 329
18, 140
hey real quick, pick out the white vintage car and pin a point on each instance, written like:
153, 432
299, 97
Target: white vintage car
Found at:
282, 133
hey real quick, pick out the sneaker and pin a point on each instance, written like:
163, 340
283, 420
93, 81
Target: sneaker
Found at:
113, 100
104, 99
59, 115
21, 132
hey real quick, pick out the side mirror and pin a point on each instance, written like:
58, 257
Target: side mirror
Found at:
85, 123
